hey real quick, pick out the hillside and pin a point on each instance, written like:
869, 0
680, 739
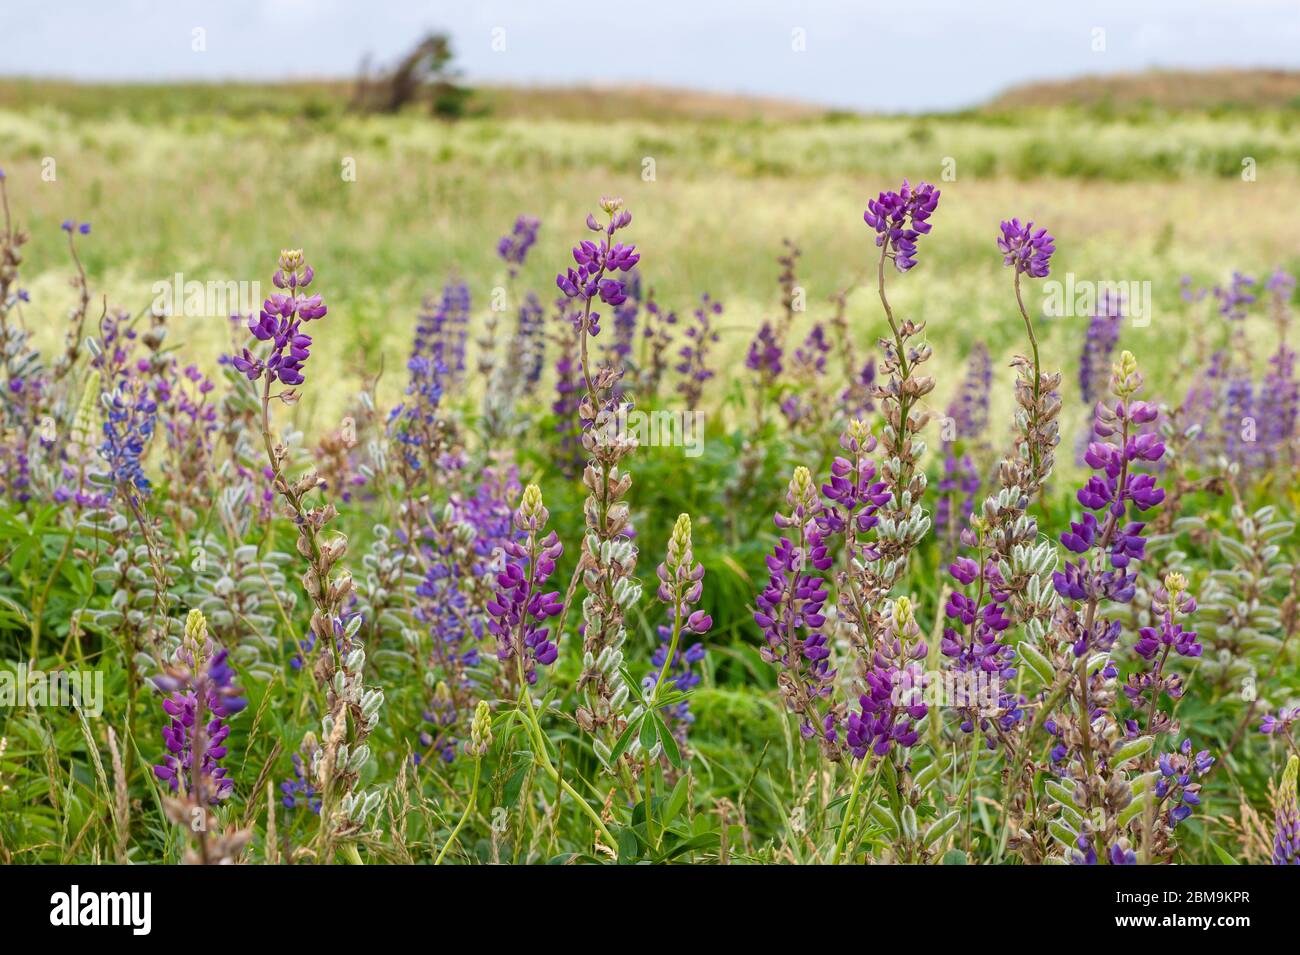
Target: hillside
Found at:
1166, 89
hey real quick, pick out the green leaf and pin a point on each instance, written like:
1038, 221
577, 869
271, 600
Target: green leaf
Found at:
671, 749
1132, 750
1223, 855
624, 741
649, 735
1036, 661
629, 849
941, 827
676, 801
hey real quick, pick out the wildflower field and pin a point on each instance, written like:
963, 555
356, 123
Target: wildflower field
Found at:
577, 487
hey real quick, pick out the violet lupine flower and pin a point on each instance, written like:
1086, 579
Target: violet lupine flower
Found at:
858, 399
513, 248
1175, 784
1029, 251
1239, 420
810, 357
891, 709
625, 319
1236, 298
969, 411
969, 416
1286, 832
530, 340
415, 422
455, 306
519, 607
1279, 399
1111, 492
790, 615
1280, 724
1144, 688
1170, 601
280, 322
979, 652
1099, 344
203, 696
853, 495
128, 428
958, 486
694, 364
765, 354
900, 218
597, 263
300, 792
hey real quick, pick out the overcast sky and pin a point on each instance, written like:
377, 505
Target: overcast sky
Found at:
865, 54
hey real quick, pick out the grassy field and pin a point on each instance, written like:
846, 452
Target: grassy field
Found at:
211, 182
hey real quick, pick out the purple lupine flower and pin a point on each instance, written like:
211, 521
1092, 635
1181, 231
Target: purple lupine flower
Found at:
128, 429
1201, 405
513, 248
1280, 724
1172, 603
790, 615
1174, 785
462, 554
1280, 393
1029, 251
300, 792
890, 711
810, 357
625, 316
694, 364
1099, 344
519, 607
900, 218
1239, 422
416, 423
968, 415
202, 696
1279, 403
597, 265
1235, 299
978, 650
1115, 489
530, 338
1169, 602
853, 496
1286, 831
765, 354
280, 322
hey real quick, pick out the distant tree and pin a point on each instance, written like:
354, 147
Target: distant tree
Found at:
426, 72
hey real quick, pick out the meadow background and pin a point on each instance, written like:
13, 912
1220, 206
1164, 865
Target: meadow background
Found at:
209, 180
1139, 179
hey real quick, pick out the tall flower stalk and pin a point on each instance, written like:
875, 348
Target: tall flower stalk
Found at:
351, 708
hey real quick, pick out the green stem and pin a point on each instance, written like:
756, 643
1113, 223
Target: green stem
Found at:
469, 804
849, 810
544, 760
